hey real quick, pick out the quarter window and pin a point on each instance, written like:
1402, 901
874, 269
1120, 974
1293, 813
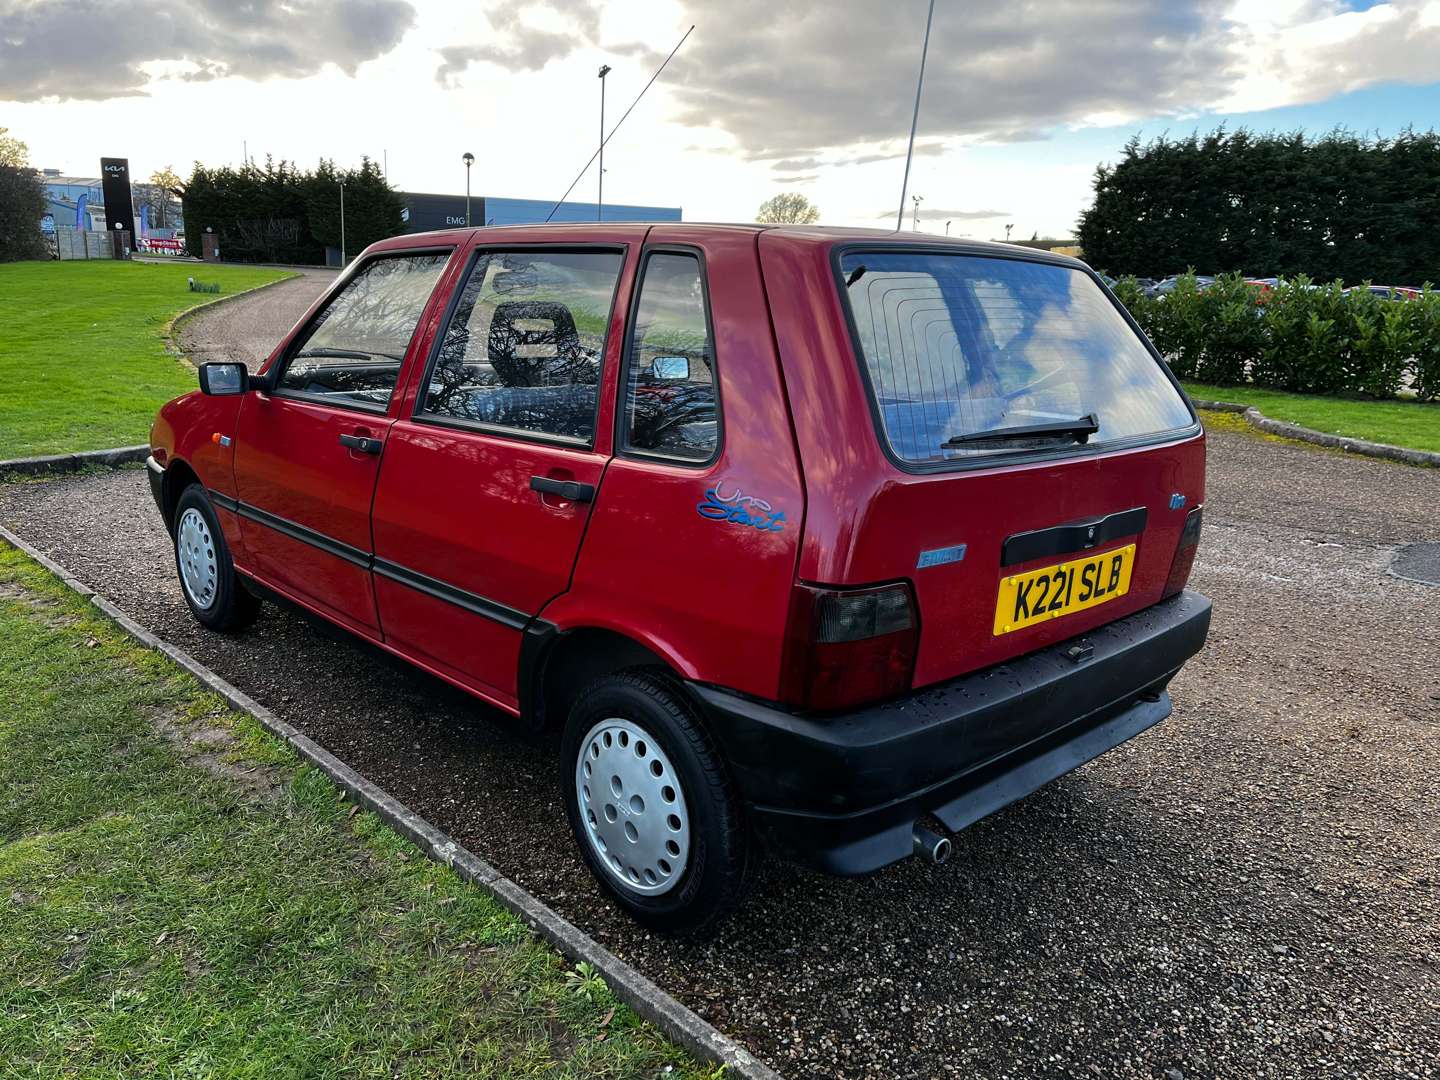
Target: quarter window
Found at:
524, 347
351, 354
671, 407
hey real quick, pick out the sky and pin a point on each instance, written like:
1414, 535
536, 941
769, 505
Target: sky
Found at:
1021, 100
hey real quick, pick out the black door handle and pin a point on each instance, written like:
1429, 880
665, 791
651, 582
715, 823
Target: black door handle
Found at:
569, 490
363, 443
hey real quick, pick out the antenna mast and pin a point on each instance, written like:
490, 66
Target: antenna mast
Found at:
914, 119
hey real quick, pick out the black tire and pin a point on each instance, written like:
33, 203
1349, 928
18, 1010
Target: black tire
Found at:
712, 881
232, 607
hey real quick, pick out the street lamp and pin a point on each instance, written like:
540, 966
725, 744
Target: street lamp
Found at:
915, 221
947, 228
1007, 232
600, 194
342, 224
469, 160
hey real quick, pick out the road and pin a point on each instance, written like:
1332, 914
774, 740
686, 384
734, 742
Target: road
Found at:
1251, 889
249, 327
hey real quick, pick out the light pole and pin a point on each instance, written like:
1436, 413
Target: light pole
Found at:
1007, 232
947, 228
469, 160
600, 194
915, 221
342, 224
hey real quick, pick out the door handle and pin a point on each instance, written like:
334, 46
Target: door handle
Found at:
362, 443
569, 490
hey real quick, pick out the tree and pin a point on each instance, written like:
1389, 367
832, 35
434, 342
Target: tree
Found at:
788, 208
162, 194
1339, 205
22, 202
13, 153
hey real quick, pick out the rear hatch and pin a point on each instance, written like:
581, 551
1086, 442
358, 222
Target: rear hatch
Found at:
1041, 459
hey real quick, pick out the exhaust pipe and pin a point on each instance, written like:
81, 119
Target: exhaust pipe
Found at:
930, 845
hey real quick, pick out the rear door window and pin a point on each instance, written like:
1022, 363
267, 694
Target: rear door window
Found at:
523, 348
957, 345
351, 353
671, 405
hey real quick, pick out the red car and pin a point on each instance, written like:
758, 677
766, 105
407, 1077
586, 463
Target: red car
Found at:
831, 539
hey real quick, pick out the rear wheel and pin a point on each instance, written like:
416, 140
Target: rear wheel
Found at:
212, 589
651, 805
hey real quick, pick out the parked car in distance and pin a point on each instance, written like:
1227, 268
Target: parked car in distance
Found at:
1388, 292
830, 540
1167, 285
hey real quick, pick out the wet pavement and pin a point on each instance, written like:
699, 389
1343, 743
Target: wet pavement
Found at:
1251, 889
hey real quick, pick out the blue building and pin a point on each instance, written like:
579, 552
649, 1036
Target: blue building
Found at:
428, 212
73, 201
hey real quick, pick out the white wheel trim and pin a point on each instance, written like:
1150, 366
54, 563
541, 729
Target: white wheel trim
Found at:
632, 807
199, 564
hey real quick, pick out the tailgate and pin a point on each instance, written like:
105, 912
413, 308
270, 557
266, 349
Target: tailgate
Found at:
1023, 519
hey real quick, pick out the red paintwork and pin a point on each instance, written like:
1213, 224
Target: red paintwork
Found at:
711, 598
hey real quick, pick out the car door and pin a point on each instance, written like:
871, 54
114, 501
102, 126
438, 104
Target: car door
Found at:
307, 452
489, 480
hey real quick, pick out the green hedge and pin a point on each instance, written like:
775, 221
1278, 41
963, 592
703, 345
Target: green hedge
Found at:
1299, 337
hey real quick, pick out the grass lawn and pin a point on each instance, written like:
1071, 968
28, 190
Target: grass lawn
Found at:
180, 897
83, 363
1401, 423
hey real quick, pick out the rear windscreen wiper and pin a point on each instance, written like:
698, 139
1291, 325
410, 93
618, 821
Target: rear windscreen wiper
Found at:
1080, 430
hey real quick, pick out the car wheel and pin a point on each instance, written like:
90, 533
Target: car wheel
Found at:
208, 581
652, 805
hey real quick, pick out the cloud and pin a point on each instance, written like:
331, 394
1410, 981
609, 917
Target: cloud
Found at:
793, 80
927, 214
516, 43
803, 178
97, 49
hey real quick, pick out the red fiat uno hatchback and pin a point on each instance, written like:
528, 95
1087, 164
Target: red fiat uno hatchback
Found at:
824, 538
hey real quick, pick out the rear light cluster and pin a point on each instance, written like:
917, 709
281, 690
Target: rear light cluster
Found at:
846, 647
1184, 559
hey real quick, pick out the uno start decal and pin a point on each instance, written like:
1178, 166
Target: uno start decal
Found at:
740, 509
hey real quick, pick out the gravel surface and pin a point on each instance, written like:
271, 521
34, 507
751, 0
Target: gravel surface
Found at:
248, 329
1252, 889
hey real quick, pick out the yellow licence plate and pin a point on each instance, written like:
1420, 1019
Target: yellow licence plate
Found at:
1039, 595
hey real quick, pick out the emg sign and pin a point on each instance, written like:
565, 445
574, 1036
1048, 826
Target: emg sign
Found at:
425, 213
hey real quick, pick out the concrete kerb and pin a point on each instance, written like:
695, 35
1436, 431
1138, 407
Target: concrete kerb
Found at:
1258, 420
59, 463
677, 1022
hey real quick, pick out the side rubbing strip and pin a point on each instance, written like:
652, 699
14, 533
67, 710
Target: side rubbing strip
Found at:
306, 536
472, 602
224, 502
479, 605
1073, 536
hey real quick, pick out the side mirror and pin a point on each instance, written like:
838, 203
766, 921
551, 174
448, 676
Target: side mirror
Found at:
224, 380
670, 368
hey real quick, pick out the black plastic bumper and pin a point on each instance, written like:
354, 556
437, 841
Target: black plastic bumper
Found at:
843, 792
156, 472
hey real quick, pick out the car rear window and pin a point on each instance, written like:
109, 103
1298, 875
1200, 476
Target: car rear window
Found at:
956, 345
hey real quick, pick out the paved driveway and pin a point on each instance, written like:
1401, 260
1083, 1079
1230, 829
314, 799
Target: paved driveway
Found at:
250, 327
1252, 889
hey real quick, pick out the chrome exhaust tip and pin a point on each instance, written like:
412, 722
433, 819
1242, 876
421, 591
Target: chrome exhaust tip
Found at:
930, 845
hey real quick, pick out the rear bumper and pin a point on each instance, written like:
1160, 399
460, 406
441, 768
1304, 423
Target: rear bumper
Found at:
843, 792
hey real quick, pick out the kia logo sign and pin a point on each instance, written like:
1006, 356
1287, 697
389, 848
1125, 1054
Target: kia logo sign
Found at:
115, 168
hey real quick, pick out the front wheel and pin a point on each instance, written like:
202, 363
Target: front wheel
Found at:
651, 804
212, 589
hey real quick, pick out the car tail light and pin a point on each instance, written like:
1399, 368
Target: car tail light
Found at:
1184, 554
847, 647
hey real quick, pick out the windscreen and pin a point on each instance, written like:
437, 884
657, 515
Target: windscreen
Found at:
961, 347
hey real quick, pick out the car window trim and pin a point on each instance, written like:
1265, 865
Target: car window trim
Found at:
299, 340
622, 448
1008, 457
418, 413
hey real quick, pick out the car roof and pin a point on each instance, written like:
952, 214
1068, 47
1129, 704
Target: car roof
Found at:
815, 235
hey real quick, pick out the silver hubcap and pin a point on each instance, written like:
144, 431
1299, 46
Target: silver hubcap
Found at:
199, 569
633, 807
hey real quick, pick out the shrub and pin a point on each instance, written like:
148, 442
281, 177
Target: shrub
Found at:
1425, 327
